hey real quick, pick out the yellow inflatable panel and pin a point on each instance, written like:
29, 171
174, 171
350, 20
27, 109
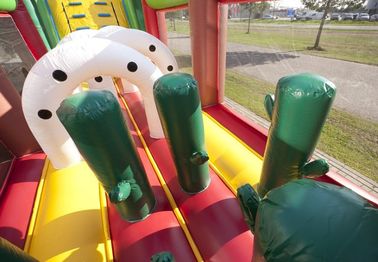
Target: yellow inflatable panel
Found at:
72, 15
68, 225
234, 161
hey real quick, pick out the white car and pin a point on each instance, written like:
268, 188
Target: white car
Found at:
363, 17
374, 17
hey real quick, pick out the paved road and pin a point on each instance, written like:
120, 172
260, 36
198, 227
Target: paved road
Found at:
357, 84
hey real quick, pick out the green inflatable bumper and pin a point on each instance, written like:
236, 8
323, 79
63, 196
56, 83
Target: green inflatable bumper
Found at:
8, 5
134, 14
95, 122
179, 107
298, 111
307, 220
162, 4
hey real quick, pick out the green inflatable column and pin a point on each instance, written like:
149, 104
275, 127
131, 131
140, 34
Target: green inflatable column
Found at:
95, 122
298, 111
179, 107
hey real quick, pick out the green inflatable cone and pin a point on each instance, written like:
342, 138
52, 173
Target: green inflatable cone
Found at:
95, 122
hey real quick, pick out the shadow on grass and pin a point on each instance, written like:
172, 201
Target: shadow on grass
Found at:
242, 58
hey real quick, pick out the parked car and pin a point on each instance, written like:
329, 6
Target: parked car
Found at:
347, 16
374, 17
336, 16
363, 17
310, 16
269, 17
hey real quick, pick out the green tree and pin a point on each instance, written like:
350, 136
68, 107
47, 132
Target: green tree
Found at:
257, 8
326, 6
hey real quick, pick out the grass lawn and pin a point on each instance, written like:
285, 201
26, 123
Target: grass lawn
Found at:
349, 139
352, 45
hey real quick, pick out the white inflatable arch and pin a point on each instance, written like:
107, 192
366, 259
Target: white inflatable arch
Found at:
139, 40
144, 43
60, 71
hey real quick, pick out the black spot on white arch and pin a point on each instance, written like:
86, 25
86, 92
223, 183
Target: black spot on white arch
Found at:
152, 48
98, 79
170, 68
59, 75
44, 114
132, 66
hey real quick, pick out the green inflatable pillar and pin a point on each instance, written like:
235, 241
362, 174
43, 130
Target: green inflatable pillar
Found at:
95, 123
179, 107
298, 111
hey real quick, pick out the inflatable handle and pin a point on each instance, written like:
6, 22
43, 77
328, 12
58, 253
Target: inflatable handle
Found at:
120, 192
269, 104
179, 107
315, 168
298, 112
163, 257
95, 122
249, 201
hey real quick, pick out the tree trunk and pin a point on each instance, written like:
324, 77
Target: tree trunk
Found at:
249, 20
326, 10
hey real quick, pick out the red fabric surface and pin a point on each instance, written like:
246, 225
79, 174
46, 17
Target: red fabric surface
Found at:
17, 200
213, 217
150, 20
28, 31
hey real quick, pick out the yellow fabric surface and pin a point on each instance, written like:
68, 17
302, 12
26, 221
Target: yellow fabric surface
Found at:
234, 160
68, 225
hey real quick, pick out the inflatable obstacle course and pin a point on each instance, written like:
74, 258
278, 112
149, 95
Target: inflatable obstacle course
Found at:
80, 222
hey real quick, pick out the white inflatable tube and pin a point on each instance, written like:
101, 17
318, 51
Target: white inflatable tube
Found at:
144, 43
78, 35
99, 82
57, 73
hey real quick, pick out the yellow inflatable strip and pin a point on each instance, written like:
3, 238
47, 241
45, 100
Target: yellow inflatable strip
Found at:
37, 202
68, 224
105, 225
234, 162
164, 185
